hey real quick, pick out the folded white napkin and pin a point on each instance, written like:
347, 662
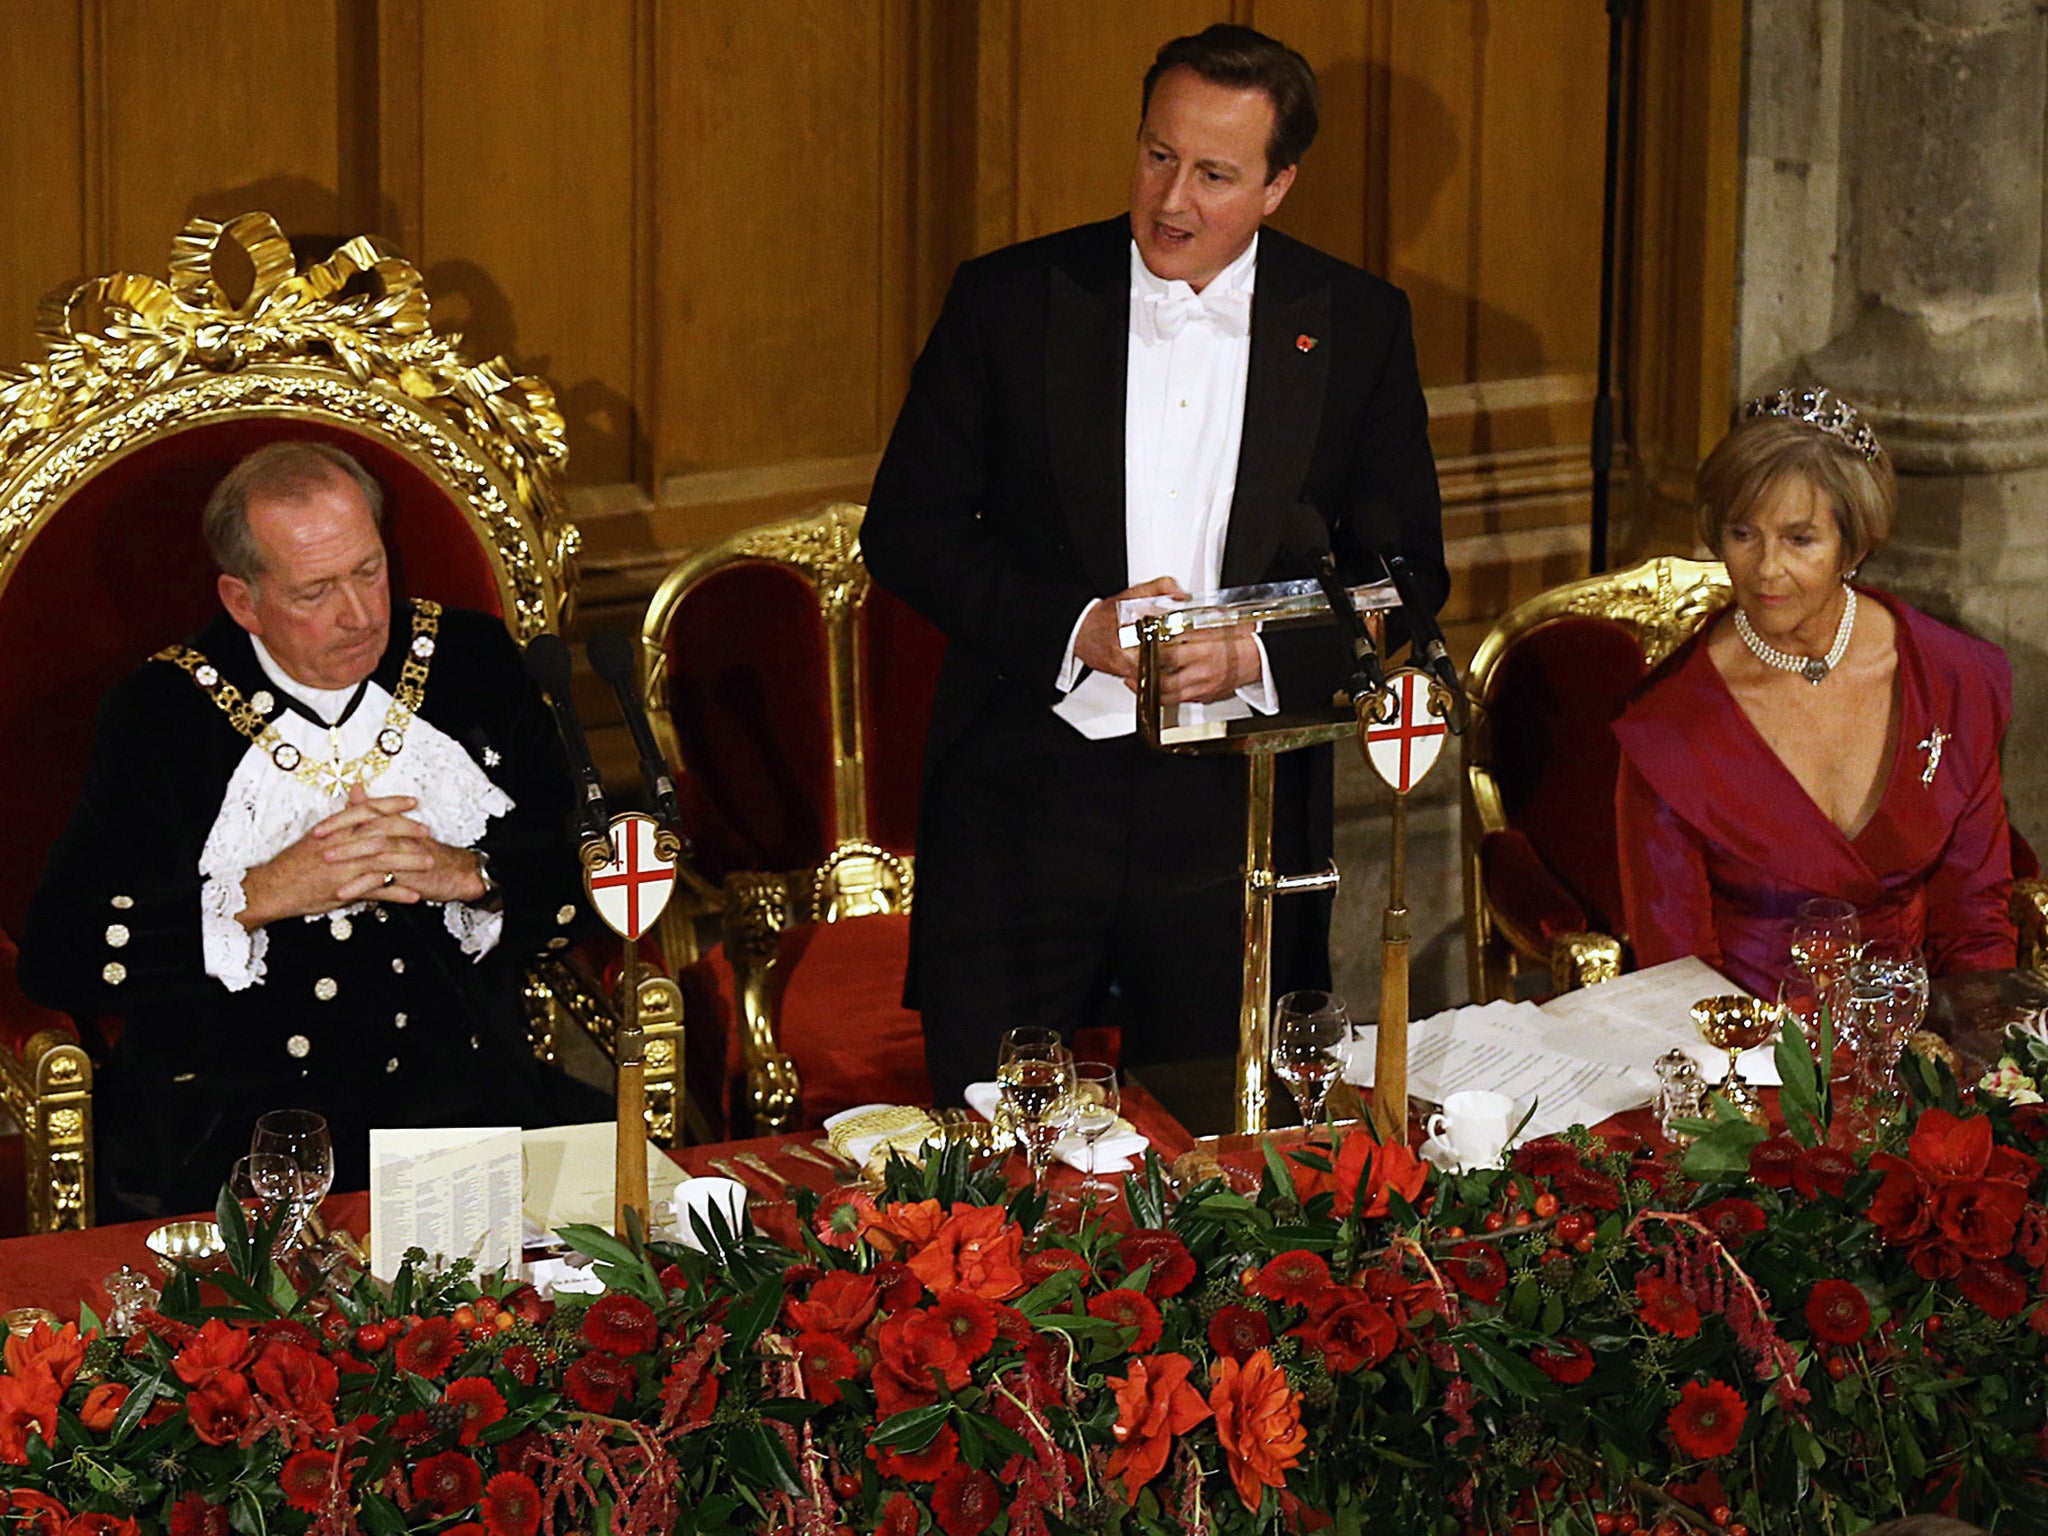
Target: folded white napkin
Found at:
1115, 1151
895, 1123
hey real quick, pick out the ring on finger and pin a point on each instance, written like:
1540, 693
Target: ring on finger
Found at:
390, 877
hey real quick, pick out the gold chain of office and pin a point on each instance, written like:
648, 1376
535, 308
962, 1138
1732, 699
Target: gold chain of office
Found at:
251, 722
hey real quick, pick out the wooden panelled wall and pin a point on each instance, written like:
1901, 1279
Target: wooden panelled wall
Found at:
721, 227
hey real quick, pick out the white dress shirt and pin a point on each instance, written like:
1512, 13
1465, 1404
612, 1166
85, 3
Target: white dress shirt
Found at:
1189, 355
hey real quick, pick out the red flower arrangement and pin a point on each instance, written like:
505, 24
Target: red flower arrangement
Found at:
1837, 1312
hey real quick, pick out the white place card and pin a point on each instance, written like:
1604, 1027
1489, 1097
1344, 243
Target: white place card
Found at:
454, 1192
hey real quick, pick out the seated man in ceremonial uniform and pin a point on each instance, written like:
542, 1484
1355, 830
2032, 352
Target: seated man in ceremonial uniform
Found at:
313, 853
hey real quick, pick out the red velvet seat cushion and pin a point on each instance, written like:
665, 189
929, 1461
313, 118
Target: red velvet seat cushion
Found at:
838, 990
1551, 704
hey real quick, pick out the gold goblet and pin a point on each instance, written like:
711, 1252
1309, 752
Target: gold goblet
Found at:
1735, 1025
197, 1243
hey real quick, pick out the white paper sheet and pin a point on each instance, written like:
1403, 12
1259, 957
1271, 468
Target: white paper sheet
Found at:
1578, 1058
454, 1192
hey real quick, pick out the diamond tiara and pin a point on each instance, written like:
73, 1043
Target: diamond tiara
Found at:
1823, 409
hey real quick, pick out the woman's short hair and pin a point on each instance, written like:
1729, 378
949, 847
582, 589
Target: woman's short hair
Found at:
283, 471
1767, 448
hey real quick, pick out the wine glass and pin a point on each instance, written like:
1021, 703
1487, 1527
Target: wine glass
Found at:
1037, 1080
300, 1136
1825, 938
1800, 999
1098, 1104
1887, 996
1309, 1028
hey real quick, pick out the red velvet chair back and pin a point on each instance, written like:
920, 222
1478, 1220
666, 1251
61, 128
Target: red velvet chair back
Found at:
1549, 708
796, 695
118, 569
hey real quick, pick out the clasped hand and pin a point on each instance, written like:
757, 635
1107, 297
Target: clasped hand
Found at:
1197, 668
349, 856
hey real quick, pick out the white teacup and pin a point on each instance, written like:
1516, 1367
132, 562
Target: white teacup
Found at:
1474, 1126
695, 1197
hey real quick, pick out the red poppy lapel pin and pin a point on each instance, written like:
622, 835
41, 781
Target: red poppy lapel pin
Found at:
1304, 342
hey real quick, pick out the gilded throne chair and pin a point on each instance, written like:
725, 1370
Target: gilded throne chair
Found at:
148, 391
794, 695
1541, 867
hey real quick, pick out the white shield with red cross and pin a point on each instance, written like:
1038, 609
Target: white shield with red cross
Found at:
630, 891
1404, 746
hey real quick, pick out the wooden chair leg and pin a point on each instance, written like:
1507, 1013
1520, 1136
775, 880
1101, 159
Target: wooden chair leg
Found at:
756, 916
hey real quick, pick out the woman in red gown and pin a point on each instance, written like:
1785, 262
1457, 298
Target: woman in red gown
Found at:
1816, 738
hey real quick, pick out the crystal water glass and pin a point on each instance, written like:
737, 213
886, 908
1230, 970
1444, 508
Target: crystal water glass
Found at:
1309, 1031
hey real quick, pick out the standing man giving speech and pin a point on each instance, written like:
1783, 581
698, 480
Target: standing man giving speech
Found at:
1139, 406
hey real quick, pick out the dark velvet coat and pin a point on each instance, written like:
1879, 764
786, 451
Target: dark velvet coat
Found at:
415, 1030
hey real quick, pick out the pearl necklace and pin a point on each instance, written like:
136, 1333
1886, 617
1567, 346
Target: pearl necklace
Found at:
1812, 668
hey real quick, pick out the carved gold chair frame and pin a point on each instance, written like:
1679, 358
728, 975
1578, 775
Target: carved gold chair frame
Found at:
1660, 602
858, 878
131, 360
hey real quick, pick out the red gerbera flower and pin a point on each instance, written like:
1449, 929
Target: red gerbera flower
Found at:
1664, 1307
1236, 1332
1734, 1221
966, 1501
1129, 1309
1564, 1360
620, 1324
899, 1516
597, 1381
429, 1348
195, 1515
1772, 1162
1995, 1288
511, 1505
1837, 1312
1046, 1262
306, 1478
1478, 1270
1293, 1276
1173, 1267
1822, 1170
924, 1466
825, 1361
1708, 1419
481, 1405
447, 1483
971, 1321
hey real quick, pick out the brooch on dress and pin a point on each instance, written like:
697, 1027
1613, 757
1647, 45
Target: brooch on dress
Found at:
1936, 740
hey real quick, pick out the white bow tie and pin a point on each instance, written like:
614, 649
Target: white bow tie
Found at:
1230, 313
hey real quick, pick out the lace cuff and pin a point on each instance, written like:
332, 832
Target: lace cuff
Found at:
234, 955
477, 932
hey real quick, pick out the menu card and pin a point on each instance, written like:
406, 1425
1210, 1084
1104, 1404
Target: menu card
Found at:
454, 1192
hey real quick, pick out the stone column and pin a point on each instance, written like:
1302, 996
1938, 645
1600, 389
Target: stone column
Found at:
1942, 137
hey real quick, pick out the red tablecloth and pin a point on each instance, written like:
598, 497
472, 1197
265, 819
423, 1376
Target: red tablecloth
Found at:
60, 1269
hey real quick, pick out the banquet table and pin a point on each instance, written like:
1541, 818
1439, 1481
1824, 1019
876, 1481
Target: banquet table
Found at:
58, 1270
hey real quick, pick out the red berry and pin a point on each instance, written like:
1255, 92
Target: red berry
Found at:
1837, 1369
1931, 1327
1738, 1529
464, 1317
1454, 1231
1584, 1244
1495, 1221
1667, 1527
371, 1337
1604, 1523
1571, 1226
1720, 1514
1626, 1524
1546, 1204
845, 1484
1522, 1218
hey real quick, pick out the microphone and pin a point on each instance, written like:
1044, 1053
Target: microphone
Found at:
1426, 643
547, 663
1306, 540
611, 658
